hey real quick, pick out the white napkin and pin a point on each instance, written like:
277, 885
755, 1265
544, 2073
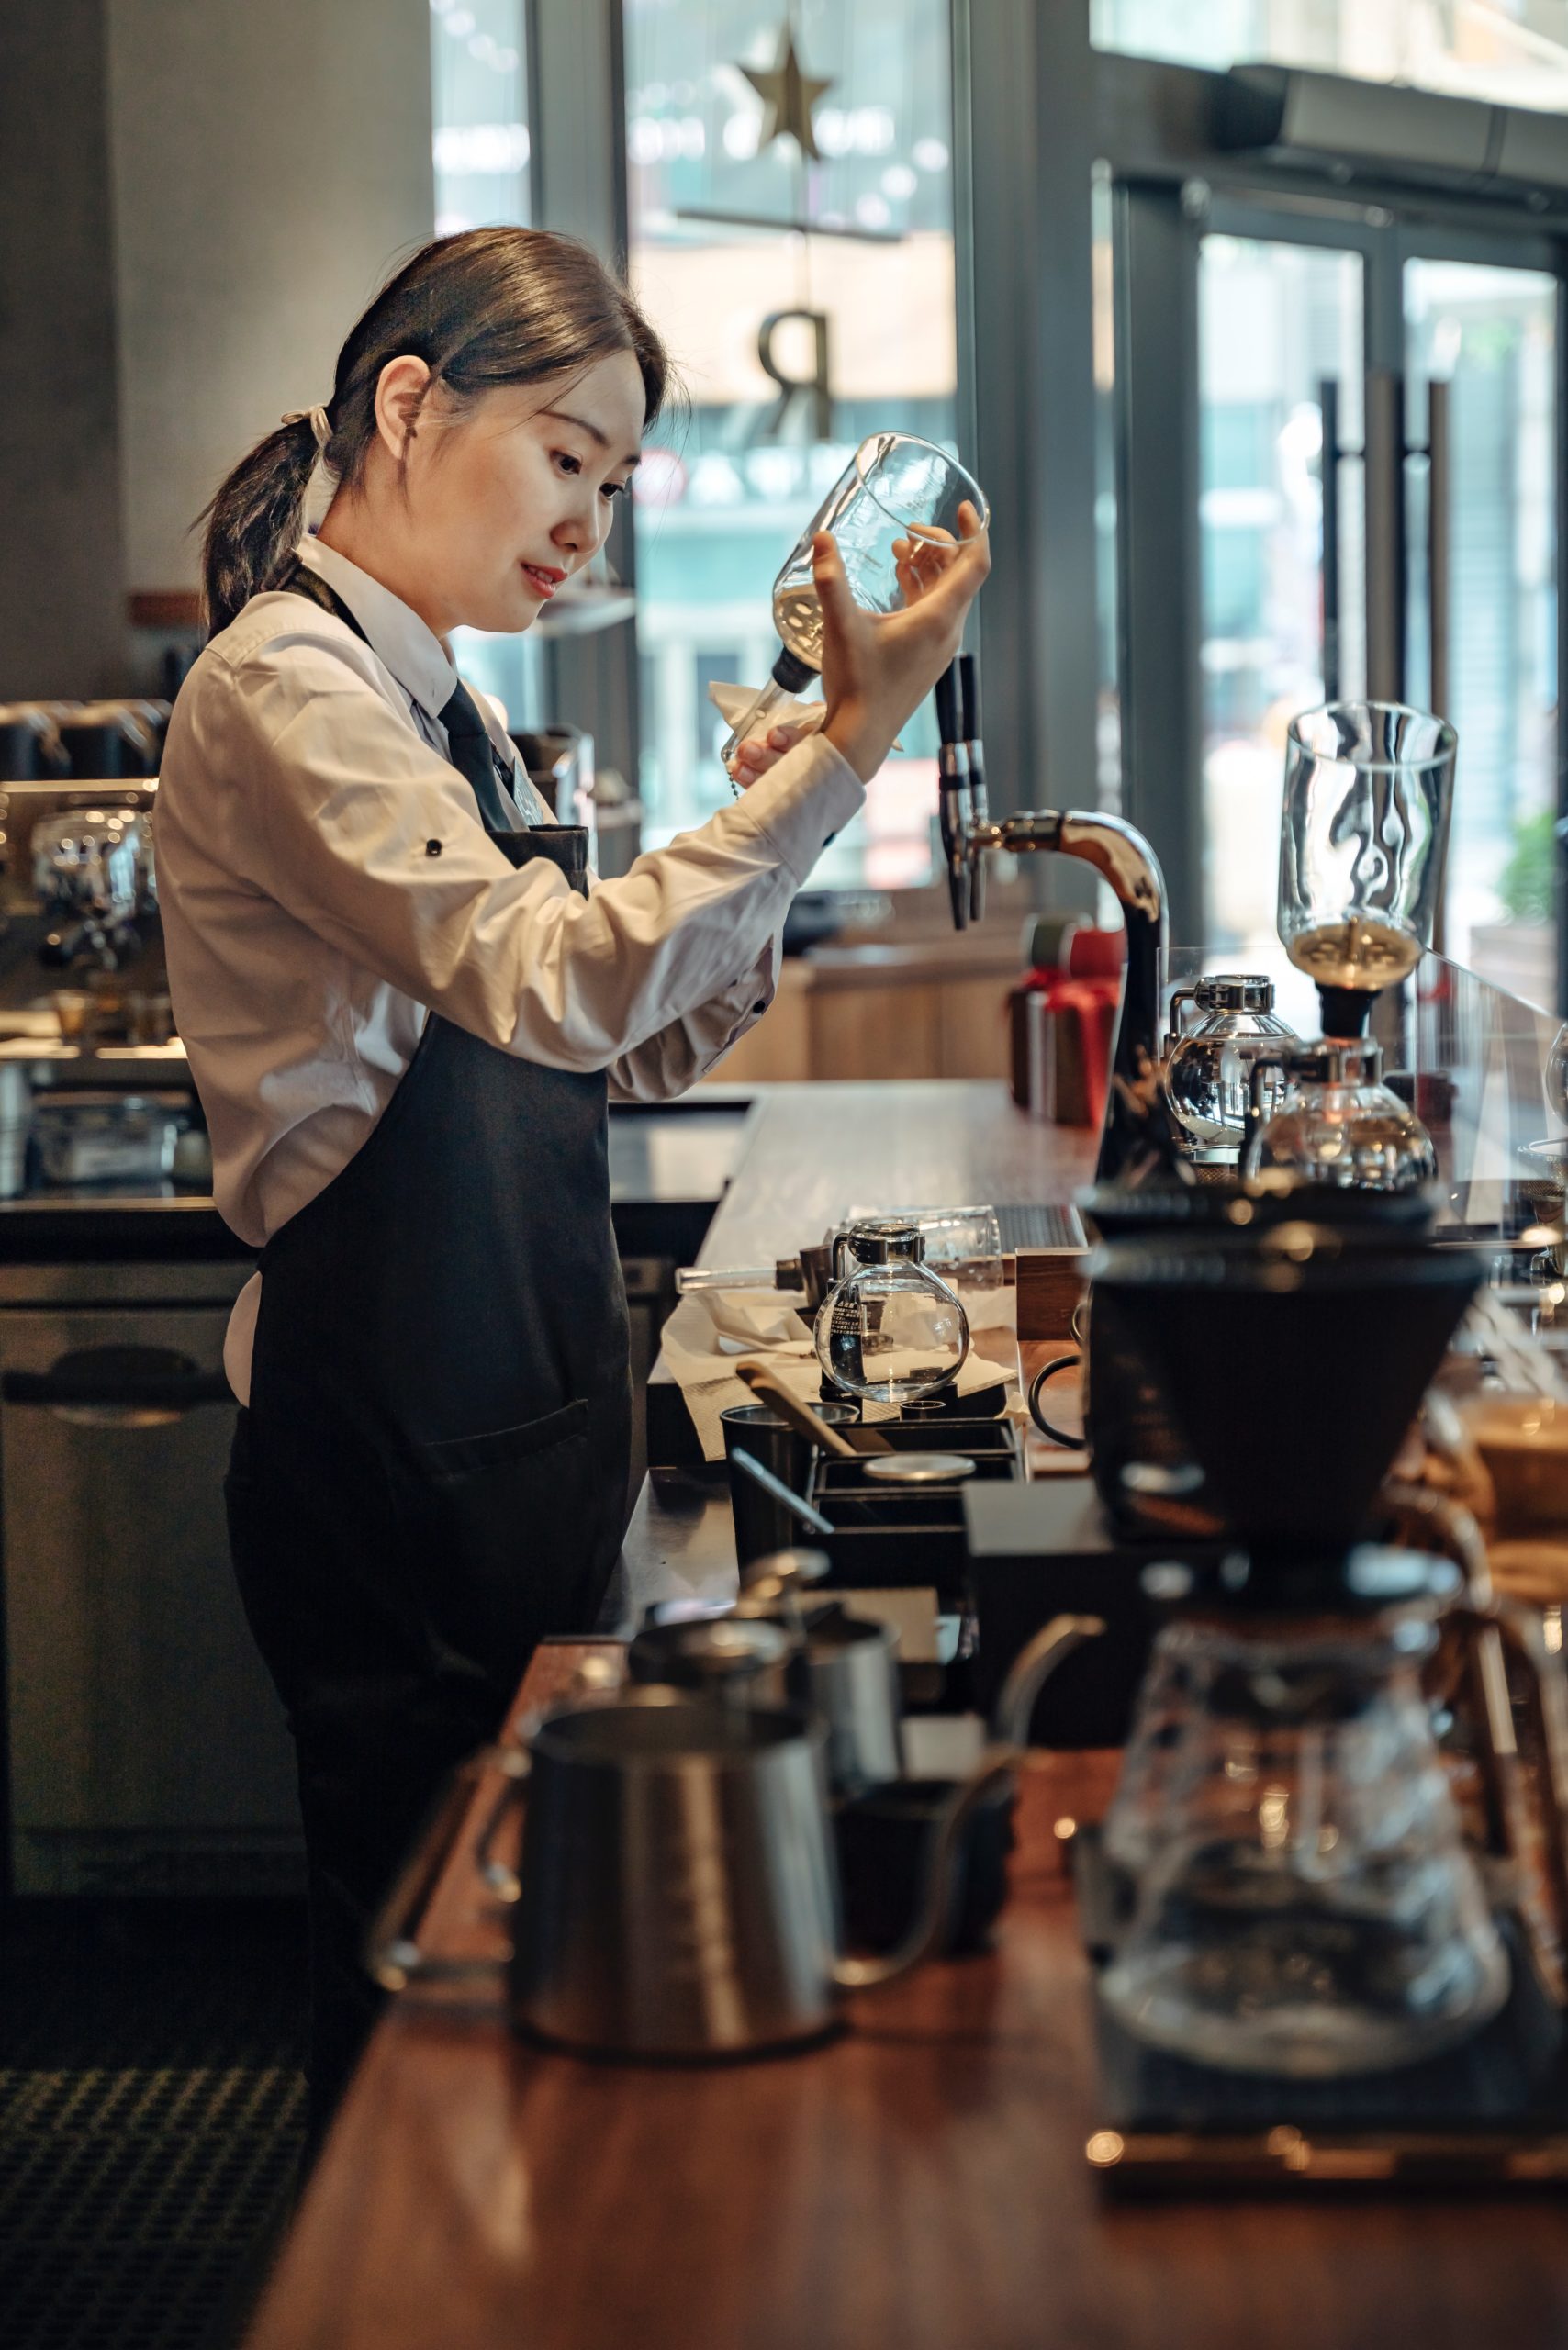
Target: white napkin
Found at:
732, 702
709, 1329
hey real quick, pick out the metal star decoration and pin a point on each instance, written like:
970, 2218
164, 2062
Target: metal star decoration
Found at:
788, 93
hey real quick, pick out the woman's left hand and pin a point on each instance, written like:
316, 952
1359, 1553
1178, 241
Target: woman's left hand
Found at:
754, 758
920, 560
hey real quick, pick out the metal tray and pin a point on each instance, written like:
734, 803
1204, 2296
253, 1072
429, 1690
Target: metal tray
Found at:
883, 1540
1492, 2113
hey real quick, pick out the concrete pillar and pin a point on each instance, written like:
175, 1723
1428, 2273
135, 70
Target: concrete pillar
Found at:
271, 164
62, 587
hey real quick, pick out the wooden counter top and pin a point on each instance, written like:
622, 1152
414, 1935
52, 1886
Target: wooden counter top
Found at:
918, 2185
817, 1151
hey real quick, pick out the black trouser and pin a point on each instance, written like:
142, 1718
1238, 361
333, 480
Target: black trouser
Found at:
377, 1722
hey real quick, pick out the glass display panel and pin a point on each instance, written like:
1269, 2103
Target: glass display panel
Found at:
480, 113
1478, 1065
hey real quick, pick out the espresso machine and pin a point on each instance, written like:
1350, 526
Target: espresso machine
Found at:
94, 1085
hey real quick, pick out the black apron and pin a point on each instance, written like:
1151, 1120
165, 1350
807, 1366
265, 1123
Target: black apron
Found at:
431, 1474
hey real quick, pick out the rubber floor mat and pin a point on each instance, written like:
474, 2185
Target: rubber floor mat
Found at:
152, 2113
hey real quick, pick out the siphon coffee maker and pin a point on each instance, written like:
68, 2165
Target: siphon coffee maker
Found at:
1364, 835
890, 1330
1221, 1028
1332, 1120
1303, 1902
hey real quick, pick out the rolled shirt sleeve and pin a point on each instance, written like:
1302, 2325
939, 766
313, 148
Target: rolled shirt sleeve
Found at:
366, 837
687, 1049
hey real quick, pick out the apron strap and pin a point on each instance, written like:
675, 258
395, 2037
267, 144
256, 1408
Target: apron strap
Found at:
564, 845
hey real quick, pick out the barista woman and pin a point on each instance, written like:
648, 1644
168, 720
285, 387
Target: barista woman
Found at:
406, 1007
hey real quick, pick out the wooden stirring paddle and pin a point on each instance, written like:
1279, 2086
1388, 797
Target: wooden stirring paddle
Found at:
769, 1389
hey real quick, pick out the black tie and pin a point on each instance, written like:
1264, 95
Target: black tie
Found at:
471, 752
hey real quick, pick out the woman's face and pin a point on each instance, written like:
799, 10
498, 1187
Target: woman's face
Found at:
516, 493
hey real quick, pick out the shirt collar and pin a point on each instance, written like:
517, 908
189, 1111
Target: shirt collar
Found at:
415, 656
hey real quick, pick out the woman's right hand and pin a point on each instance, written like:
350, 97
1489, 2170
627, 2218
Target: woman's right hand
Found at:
878, 667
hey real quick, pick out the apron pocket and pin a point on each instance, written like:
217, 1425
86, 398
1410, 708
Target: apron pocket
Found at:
455, 1456
514, 1517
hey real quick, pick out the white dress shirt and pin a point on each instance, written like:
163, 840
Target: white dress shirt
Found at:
324, 879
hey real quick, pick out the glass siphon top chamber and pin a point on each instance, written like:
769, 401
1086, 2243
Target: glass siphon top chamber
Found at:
890, 1330
1368, 791
896, 487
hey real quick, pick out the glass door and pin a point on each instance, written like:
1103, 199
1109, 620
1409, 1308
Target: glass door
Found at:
1280, 370
1378, 509
1482, 405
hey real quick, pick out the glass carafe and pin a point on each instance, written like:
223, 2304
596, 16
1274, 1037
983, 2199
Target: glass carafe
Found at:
897, 487
1306, 1903
1336, 1122
890, 1330
1219, 1026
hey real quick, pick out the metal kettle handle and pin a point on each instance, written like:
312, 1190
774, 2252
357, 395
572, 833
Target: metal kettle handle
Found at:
1182, 997
392, 1951
1259, 1068
1047, 1371
997, 1766
515, 1763
995, 1769
1521, 1632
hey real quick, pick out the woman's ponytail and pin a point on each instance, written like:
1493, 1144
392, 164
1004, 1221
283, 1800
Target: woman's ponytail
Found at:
486, 308
253, 522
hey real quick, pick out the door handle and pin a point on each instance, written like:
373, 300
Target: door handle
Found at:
1438, 601
1384, 487
1328, 482
117, 1386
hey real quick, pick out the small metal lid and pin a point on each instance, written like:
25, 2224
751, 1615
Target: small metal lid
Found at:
1336, 1060
693, 1655
886, 1241
1234, 991
799, 1565
919, 1468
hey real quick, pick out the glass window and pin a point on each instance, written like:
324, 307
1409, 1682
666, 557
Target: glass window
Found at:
729, 229
1512, 51
479, 109
1490, 333
480, 151
1274, 322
